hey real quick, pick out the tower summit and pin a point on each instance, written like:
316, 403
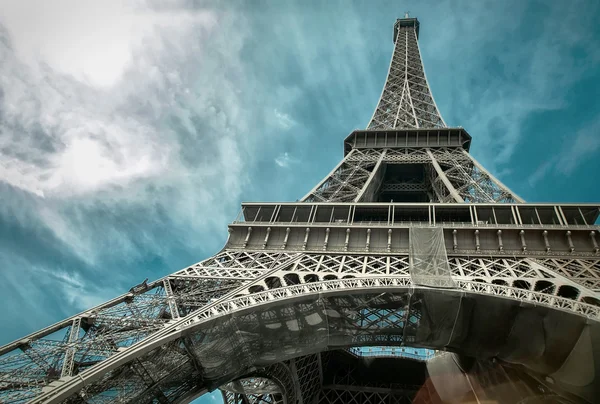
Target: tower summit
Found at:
407, 21
408, 274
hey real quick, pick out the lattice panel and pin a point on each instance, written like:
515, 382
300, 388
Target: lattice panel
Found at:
239, 398
471, 182
307, 368
496, 268
345, 183
521, 273
474, 184
236, 265
339, 396
583, 271
354, 264
371, 155
440, 190
101, 333
406, 100
382, 318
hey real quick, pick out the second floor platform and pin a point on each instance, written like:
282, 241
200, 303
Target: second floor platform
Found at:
505, 215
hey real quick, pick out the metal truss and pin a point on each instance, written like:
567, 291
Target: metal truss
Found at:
341, 395
406, 100
261, 389
263, 318
35, 364
230, 397
346, 384
453, 176
345, 182
71, 347
585, 272
184, 362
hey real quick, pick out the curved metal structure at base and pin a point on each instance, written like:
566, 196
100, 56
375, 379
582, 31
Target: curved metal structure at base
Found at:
216, 349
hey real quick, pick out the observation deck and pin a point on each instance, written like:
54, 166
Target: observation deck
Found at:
407, 138
530, 229
406, 22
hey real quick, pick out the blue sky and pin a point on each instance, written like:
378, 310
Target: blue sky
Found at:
130, 135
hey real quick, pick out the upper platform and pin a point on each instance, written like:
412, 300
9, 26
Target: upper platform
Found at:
406, 22
401, 138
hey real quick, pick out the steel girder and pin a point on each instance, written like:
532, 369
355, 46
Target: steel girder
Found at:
454, 176
239, 333
33, 365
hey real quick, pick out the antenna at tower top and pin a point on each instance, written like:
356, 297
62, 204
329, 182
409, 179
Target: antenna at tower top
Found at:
406, 14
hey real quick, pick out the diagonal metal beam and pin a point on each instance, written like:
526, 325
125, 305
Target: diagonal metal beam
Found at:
445, 179
367, 184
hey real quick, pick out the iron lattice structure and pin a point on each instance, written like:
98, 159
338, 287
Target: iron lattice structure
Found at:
408, 243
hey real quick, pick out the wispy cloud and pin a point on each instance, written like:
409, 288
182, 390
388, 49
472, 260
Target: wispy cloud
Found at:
574, 151
284, 120
540, 172
124, 140
163, 130
584, 146
284, 160
64, 133
509, 67
76, 290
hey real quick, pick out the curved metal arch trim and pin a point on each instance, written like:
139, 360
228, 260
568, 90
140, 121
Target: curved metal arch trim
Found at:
288, 294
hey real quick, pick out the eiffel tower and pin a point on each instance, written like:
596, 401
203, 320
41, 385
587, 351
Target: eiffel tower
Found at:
408, 274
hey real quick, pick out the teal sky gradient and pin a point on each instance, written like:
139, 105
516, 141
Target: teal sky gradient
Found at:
129, 165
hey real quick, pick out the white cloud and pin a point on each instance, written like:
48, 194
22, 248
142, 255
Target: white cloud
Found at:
284, 120
72, 286
165, 130
574, 151
63, 136
92, 41
584, 146
126, 168
284, 160
507, 87
540, 172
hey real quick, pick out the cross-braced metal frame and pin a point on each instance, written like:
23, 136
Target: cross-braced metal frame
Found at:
406, 100
408, 242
